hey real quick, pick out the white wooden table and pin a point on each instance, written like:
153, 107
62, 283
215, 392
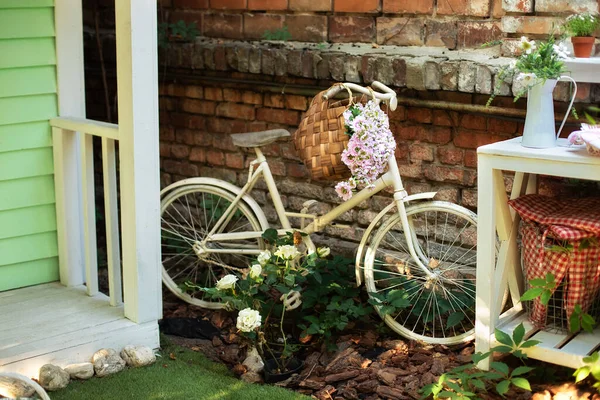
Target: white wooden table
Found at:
495, 217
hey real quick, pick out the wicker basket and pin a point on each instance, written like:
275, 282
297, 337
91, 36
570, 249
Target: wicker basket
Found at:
321, 139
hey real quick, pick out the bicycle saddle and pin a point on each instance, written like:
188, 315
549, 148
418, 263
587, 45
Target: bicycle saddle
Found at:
258, 139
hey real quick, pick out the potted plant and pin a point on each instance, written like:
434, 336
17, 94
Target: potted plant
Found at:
536, 72
581, 28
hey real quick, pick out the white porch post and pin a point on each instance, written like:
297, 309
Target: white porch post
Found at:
71, 103
137, 88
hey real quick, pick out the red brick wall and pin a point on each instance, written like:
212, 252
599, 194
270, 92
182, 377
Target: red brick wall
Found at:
440, 23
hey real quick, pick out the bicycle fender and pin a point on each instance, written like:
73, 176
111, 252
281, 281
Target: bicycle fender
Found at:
364, 240
420, 196
260, 215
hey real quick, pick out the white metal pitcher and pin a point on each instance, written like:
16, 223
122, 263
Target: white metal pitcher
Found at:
540, 128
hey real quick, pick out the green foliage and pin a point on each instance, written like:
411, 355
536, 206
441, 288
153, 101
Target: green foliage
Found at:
176, 31
282, 34
581, 25
542, 288
466, 381
592, 366
581, 320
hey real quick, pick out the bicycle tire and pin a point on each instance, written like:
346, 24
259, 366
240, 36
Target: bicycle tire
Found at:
182, 212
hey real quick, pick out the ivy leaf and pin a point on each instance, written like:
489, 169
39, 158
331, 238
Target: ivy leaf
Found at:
502, 387
478, 384
529, 343
581, 373
503, 338
521, 370
545, 297
519, 334
503, 349
454, 319
521, 383
500, 367
531, 294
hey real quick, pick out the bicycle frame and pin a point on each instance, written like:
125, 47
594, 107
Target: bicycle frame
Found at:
390, 178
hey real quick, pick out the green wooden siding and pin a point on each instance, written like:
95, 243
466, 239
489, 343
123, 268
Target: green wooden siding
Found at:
28, 241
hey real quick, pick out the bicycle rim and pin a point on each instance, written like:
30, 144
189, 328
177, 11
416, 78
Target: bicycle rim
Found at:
188, 214
437, 307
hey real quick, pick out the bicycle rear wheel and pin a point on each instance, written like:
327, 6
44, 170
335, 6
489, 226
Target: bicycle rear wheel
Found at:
437, 308
188, 214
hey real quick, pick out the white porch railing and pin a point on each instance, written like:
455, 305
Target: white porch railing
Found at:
75, 199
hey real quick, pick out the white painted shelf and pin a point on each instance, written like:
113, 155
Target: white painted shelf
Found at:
584, 69
497, 222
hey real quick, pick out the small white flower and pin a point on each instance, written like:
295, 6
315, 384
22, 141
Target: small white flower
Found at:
528, 78
561, 51
226, 282
264, 257
323, 252
287, 252
255, 271
513, 64
526, 45
248, 320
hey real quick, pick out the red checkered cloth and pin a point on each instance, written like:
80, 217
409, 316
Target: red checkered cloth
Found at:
549, 222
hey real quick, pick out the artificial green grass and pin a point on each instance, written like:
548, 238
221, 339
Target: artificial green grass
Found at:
189, 376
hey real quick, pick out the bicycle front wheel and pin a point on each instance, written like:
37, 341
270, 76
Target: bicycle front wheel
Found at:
437, 305
188, 214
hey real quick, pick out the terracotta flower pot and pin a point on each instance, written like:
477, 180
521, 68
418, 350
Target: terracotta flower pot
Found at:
582, 46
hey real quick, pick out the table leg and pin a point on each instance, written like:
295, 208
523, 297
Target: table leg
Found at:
486, 240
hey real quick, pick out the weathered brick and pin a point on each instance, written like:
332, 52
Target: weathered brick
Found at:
408, 6
438, 135
476, 122
399, 68
356, 6
254, 60
180, 151
197, 106
228, 4
529, 24
232, 95
415, 74
449, 75
228, 26
400, 31
296, 102
453, 7
350, 28
284, 117
189, 4
352, 69
467, 73
213, 93
421, 152
208, 58
234, 160
250, 97
483, 80
220, 59
479, 8
215, 157
443, 118
307, 28
368, 68
476, 33
441, 34
384, 70
255, 24
267, 66
297, 170
432, 75
267, 4
310, 5
566, 6
443, 174
450, 156
336, 66
188, 16
421, 115
165, 149
502, 125
470, 158
195, 92
274, 100
519, 6
497, 11
238, 111
472, 139
198, 154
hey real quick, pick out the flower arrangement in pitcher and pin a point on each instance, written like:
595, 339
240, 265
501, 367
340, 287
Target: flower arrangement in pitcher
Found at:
371, 144
538, 62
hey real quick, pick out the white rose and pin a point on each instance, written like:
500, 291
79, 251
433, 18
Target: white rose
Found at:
226, 282
255, 271
248, 320
264, 257
287, 252
323, 252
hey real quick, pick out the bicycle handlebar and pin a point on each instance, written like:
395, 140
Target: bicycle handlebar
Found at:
388, 95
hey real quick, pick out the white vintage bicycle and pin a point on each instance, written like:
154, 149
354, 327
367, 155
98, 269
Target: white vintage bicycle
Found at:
420, 250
